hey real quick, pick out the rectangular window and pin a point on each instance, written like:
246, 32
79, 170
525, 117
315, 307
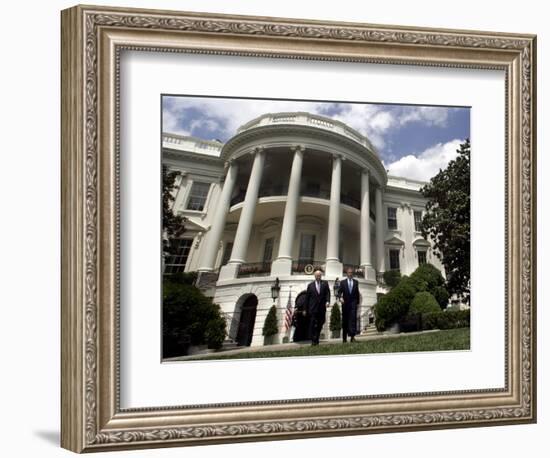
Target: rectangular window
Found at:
417, 221
176, 262
392, 218
268, 250
198, 195
394, 259
421, 257
307, 247
227, 253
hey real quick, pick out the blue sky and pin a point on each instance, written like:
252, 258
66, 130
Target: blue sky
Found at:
413, 141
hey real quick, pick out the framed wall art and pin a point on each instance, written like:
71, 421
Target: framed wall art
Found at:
278, 228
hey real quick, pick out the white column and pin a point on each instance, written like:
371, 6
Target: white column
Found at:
364, 230
380, 252
242, 236
212, 241
334, 266
283, 264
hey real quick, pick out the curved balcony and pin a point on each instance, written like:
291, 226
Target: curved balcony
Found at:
308, 119
319, 193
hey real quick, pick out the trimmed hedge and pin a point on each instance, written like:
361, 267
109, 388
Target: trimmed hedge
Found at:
424, 302
449, 319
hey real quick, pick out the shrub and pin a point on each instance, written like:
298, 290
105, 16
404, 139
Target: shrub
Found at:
392, 278
427, 277
394, 305
447, 319
270, 324
424, 302
216, 331
186, 314
441, 296
335, 318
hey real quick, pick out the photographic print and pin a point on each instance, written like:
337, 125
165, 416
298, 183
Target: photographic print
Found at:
308, 228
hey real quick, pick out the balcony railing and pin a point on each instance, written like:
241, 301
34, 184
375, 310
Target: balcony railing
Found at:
299, 266
254, 269
357, 270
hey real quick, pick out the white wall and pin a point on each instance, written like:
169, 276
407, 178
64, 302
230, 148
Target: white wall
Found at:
29, 242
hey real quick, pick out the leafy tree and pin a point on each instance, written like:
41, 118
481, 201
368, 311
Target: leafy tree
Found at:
172, 223
270, 325
447, 220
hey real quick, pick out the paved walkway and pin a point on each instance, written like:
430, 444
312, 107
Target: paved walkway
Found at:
292, 345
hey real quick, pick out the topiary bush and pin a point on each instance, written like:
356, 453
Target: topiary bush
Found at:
335, 320
270, 324
424, 302
447, 319
392, 278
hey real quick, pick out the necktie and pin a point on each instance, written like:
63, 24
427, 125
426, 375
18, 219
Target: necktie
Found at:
318, 287
350, 285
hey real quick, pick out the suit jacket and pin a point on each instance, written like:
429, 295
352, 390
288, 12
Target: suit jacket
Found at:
348, 297
316, 302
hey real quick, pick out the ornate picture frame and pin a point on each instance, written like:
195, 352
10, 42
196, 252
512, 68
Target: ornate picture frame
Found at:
92, 41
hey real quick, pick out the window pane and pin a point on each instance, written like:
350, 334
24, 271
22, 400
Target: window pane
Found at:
417, 221
307, 247
421, 257
394, 259
392, 218
268, 250
197, 196
176, 262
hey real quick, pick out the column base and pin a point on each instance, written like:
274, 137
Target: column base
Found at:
369, 272
281, 267
229, 271
334, 268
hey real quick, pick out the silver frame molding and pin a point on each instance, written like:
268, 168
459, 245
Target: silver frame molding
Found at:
92, 40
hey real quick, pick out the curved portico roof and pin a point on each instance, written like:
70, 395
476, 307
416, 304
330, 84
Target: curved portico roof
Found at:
272, 130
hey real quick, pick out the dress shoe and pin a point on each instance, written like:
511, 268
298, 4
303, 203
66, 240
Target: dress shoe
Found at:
352, 339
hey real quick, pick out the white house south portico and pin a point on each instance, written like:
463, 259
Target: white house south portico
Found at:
290, 190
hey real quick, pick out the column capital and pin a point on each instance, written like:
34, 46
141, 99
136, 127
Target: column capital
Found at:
338, 156
257, 149
298, 148
365, 171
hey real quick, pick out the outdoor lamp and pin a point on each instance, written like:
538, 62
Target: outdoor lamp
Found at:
275, 290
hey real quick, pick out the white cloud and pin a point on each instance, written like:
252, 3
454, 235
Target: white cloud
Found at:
425, 165
435, 116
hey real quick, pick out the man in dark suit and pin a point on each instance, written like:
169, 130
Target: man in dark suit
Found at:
318, 299
349, 288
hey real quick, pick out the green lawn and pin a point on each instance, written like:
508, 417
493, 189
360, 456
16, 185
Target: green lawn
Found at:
452, 339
